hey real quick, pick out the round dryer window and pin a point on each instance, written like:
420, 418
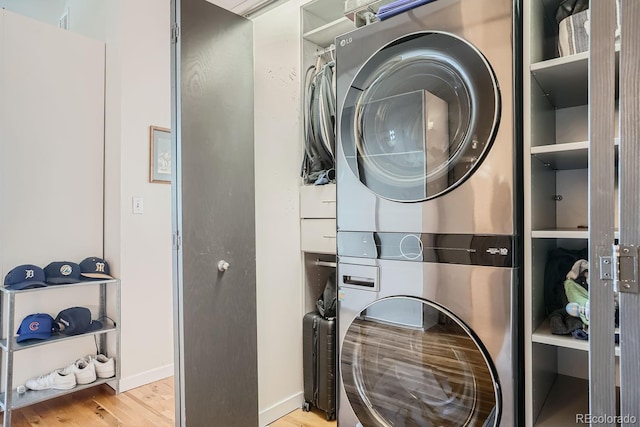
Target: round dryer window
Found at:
409, 362
419, 116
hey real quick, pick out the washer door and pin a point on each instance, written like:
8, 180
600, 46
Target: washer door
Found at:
419, 116
410, 362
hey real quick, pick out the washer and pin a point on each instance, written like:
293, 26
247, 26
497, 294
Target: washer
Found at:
428, 162
426, 135
427, 335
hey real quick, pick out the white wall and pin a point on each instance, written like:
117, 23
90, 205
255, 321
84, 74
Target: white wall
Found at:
51, 168
138, 247
146, 239
278, 152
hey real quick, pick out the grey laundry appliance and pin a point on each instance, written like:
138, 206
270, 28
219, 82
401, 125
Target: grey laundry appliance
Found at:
427, 331
427, 127
429, 217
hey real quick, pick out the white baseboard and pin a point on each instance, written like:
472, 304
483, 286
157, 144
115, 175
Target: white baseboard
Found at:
281, 409
147, 377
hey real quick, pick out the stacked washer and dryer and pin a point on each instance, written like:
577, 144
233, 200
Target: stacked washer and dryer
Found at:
429, 218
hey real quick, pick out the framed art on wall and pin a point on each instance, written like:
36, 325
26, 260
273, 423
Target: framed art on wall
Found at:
160, 155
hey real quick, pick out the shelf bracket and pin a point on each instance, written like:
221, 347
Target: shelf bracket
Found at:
625, 271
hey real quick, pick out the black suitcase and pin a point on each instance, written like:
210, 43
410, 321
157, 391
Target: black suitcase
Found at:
319, 363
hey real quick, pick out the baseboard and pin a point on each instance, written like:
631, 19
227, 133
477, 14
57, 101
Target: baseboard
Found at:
281, 409
147, 377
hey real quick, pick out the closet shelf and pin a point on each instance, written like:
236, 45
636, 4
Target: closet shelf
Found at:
564, 233
565, 80
326, 34
543, 335
565, 156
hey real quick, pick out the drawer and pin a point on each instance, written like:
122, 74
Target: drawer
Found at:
318, 235
318, 201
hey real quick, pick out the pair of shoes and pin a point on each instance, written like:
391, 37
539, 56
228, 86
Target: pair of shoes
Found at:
84, 371
105, 366
57, 380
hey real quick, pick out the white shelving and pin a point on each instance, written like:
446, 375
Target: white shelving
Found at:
326, 34
556, 211
543, 335
565, 80
565, 156
323, 21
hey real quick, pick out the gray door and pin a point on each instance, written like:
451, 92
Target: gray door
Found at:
614, 271
214, 217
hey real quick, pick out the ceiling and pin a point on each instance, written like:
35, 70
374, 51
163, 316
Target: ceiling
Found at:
50, 11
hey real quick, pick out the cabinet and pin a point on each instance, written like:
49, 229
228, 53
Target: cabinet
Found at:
556, 173
108, 293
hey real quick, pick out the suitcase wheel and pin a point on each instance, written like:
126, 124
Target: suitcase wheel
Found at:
330, 416
306, 406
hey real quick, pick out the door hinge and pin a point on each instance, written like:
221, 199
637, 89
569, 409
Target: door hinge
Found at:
626, 272
621, 267
177, 240
175, 32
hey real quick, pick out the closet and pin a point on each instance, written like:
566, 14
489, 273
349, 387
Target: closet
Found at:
562, 212
321, 22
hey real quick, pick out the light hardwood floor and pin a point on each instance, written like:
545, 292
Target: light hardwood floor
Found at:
147, 406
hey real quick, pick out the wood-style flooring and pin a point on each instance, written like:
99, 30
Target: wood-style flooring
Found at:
151, 405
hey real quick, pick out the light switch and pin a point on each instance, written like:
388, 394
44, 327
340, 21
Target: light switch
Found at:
138, 205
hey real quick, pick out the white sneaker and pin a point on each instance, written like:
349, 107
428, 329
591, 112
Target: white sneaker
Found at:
105, 366
54, 380
84, 370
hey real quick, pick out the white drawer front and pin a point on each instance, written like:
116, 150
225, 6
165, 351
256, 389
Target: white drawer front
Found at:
318, 235
318, 201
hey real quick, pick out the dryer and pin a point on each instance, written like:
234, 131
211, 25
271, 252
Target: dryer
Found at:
426, 121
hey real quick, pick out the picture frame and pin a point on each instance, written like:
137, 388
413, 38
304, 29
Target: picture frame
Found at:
160, 162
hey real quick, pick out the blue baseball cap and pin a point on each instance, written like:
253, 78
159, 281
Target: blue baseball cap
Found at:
95, 268
62, 272
75, 321
25, 277
35, 327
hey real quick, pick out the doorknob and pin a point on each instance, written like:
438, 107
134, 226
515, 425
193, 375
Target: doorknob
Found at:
223, 265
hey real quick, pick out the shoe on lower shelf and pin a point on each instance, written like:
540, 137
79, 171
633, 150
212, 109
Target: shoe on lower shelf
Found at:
84, 371
56, 380
105, 366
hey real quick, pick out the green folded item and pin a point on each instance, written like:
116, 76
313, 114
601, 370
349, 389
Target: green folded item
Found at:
576, 293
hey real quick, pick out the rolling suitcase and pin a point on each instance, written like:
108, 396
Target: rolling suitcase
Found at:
319, 363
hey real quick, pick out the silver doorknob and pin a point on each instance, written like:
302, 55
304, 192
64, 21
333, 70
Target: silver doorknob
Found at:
223, 265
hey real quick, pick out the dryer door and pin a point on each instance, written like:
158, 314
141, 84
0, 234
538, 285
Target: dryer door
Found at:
410, 362
419, 116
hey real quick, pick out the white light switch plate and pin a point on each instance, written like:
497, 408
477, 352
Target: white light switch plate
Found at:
138, 205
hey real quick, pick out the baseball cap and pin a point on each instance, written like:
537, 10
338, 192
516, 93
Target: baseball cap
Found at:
25, 276
36, 326
95, 268
75, 320
61, 272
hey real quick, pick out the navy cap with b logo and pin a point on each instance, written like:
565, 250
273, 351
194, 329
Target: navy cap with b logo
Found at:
62, 272
95, 268
25, 276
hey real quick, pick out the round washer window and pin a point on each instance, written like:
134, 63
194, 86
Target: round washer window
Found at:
409, 362
419, 116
